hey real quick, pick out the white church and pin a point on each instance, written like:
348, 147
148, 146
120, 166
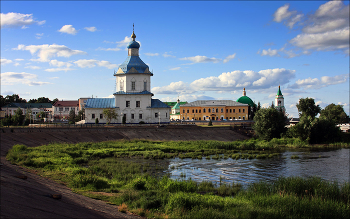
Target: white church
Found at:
133, 97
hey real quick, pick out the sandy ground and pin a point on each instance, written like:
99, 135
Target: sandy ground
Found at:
27, 195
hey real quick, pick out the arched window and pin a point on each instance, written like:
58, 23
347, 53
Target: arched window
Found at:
203, 110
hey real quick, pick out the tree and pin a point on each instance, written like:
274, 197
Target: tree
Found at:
269, 123
28, 116
307, 107
259, 107
334, 113
71, 117
80, 115
314, 130
18, 118
14, 98
109, 114
41, 115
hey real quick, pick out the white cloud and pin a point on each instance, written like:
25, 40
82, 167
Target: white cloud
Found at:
175, 69
151, 54
108, 49
328, 25
33, 67
45, 51
91, 29
39, 35
83, 63
201, 59
59, 69
331, 40
325, 30
228, 58
179, 87
19, 60
5, 61
187, 97
69, 29
13, 19
107, 64
166, 55
282, 13
269, 52
16, 64
124, 42
56, 63
230, 81
315, 83
10, 78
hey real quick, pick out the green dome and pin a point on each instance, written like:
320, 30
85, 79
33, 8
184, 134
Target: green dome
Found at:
246, 100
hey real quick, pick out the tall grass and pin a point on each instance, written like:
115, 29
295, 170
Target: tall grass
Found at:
118, 168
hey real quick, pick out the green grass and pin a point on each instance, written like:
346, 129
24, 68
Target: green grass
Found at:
119, 168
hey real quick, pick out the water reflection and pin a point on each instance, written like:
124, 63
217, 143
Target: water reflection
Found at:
331, 165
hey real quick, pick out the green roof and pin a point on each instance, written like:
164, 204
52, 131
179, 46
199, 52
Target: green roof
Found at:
171, 104
279, 93
246, 100
177, 106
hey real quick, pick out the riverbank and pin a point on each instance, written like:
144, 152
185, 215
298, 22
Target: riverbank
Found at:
99, 170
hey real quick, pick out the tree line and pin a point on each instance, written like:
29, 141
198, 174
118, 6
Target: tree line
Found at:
271, 123
14, 98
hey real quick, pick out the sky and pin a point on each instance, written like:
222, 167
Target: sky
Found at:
197, 50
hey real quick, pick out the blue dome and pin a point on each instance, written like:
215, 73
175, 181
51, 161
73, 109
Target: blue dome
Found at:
133, 44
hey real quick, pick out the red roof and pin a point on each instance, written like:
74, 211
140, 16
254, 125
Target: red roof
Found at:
66, 103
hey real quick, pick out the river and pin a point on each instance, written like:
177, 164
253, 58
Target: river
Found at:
330, 165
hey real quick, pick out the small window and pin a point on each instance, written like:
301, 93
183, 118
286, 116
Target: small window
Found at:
66, 109
101, 116
121, 85
127, 103
217, 110
144, 85
137, 103
196, 111
200, 118
222, 110
230, 110
203, 110
239, 117
93, 116
243, 110
226, 118
200, 111
209, 110
226, 110
166, 115
243, 118
239, 110
188, 111
234, 110
140, 116
183, 111
213, 110
61, 108
234, 117
193, 111
132, 116
133, 85
156, 115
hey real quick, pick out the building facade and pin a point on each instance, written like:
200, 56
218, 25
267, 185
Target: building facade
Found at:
214, 110
133, 97
61, 109
34, 108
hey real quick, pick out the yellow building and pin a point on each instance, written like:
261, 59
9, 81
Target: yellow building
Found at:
214, 110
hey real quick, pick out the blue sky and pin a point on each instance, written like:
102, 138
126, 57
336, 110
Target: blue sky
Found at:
197, 50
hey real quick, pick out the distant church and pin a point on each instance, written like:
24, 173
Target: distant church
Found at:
133, 97
279, 101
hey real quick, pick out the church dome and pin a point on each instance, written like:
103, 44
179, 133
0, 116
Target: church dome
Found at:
246, 100
133, 44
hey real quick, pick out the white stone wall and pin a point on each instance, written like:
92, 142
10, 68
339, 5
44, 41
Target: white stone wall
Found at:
148, 115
